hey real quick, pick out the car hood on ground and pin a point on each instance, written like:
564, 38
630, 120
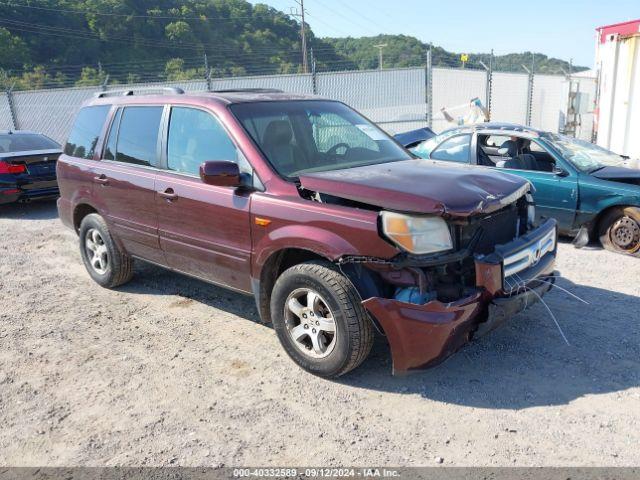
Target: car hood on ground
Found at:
619, 174
421, 186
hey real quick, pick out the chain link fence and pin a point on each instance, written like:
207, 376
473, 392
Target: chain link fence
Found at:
397, 99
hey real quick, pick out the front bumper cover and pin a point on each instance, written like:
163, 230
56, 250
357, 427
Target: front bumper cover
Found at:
421, 336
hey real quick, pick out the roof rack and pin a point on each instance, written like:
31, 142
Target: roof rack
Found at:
250, 90
126, 93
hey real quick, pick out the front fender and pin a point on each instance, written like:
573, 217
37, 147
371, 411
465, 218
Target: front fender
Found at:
317, 240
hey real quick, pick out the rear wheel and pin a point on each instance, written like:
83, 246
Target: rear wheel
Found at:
620, 230
107, 264
319, 319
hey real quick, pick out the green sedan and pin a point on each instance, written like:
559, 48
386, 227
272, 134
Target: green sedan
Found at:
586, 188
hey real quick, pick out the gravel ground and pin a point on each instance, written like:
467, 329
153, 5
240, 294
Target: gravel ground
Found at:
170, 370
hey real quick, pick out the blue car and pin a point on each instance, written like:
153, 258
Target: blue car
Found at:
586, 188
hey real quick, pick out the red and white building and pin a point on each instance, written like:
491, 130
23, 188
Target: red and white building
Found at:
618, 105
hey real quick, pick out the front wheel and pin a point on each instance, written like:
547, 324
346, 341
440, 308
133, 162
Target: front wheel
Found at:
319, 319
620, 230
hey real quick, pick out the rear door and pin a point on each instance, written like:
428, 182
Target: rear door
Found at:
204, 229
126, 178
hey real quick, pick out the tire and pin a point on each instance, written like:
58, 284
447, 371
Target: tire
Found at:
336, 299
619, 230
114, 267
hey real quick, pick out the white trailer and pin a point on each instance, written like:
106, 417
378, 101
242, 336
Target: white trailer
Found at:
618, 105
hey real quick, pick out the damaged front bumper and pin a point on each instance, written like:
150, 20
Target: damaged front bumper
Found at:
513, 277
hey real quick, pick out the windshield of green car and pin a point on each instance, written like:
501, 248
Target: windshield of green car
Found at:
303, 136
585, 156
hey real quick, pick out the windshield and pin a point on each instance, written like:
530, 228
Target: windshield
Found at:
315, 136
23, 142
585, 156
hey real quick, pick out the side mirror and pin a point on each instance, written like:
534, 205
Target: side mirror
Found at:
560, 172
222, 173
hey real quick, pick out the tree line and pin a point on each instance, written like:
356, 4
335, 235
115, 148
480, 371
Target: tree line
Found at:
57, 43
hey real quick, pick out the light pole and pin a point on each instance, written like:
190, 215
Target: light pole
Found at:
380, 47
303, 36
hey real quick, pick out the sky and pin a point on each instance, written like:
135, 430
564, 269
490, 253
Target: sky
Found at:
558, 28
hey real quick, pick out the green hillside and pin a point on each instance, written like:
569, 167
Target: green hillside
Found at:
55, 43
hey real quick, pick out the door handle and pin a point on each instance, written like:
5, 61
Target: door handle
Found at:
168, 194
101, 179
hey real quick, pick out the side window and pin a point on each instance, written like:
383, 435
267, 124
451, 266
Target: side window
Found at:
536, 148
455, 149
495, 141
138, 135
110, 150
195, 137
86, 131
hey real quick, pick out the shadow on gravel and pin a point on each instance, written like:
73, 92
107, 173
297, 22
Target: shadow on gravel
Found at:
526, 363
523, 364
37, 210
153, 280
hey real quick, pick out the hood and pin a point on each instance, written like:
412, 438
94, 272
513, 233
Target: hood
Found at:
619, 174
413, 137
422, 186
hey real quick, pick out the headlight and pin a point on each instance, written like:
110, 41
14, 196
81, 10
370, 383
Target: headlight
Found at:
417, 235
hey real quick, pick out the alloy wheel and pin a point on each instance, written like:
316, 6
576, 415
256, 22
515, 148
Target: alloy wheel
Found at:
96, 250
310, 323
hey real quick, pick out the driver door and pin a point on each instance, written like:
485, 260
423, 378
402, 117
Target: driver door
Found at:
204, 229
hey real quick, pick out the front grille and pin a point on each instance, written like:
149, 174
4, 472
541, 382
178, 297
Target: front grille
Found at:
493, 229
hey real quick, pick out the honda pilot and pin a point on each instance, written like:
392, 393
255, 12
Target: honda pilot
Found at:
336, 230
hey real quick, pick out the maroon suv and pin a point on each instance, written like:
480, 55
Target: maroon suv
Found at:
334, 228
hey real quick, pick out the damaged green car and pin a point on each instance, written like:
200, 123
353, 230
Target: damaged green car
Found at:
587, 189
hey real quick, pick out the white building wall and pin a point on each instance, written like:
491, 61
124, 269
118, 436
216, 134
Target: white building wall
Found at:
619, 102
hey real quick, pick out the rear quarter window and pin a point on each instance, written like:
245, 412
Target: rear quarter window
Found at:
86, 131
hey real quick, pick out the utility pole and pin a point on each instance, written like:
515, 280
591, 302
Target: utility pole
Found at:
380, 47
303, 35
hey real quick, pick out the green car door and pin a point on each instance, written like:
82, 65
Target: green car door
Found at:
556, 195
556, 192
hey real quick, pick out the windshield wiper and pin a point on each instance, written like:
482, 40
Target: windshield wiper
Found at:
597, 169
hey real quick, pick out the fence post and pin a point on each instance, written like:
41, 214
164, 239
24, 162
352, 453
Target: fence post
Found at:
429, 87
103, 87
489, 84
207, 73
314, 79
12, 109
531, 73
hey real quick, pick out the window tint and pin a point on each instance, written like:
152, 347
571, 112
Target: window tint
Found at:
195, 137
86, 131
455, 149
110, 151
138, 135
